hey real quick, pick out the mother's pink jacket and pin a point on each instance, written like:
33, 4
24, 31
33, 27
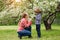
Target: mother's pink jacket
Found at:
23, 23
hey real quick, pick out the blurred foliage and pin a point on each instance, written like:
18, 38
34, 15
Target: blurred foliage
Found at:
13, 10
57, 20
2, 5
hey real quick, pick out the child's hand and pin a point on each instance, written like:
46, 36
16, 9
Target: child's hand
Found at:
34, 17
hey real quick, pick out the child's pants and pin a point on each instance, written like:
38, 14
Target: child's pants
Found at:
38, 30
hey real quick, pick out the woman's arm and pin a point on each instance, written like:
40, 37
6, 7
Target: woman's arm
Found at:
27, 24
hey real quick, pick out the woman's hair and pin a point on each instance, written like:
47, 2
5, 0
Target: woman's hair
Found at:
24, 14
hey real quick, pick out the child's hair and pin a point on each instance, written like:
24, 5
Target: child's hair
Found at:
37, 10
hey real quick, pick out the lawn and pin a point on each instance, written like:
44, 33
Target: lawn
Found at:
10, 33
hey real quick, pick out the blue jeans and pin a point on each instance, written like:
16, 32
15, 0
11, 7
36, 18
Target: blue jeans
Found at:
38, 30
25, 32
29, 29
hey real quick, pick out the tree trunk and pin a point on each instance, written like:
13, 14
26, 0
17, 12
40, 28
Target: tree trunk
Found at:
49, 20
47, 25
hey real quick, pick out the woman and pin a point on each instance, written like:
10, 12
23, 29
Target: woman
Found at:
38, 21
24, 28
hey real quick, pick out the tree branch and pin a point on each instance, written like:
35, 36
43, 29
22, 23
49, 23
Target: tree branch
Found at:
53, 19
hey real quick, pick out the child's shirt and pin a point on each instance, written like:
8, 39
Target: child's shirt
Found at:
38, 18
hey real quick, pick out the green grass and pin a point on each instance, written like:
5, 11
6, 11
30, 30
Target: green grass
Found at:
10, 33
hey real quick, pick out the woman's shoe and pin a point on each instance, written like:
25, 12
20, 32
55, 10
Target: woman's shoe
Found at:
29, 36
20, 37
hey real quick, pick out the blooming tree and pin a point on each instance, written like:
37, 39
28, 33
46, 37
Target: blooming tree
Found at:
14, 9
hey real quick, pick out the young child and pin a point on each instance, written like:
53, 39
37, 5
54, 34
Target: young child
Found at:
38, 21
